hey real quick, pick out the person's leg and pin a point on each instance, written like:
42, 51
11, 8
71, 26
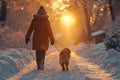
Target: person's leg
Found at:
40, 57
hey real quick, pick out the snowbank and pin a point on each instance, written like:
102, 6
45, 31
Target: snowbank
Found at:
108, 60
13, 60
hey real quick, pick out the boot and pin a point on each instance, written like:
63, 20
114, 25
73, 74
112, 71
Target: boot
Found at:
40, 56
41, 66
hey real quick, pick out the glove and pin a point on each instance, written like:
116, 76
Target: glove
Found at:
27, 40
52, 42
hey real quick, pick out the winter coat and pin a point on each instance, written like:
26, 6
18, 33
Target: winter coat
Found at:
42, 32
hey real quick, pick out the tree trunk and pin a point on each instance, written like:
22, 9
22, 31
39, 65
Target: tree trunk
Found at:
112, 10
87, 20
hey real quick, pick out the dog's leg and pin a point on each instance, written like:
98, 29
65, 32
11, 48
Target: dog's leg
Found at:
67, 69
63, 67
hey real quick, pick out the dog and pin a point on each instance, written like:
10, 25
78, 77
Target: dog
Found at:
64, 59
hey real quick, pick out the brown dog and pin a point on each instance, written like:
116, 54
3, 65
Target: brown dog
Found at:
64, 59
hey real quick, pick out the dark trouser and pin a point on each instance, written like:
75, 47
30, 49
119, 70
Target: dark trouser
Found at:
40, 58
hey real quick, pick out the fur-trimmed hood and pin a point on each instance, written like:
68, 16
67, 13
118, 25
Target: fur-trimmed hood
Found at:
41, 13
40, 16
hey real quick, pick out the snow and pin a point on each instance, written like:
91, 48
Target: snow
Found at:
78, 70
98, 32
108, 60
19, 64
13, 60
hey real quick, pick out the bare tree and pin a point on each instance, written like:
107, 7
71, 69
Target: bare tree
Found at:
87, 20
112, 9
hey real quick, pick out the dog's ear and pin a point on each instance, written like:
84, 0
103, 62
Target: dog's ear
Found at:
68, 50
61, 52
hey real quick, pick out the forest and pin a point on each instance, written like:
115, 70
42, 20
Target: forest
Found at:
73, 19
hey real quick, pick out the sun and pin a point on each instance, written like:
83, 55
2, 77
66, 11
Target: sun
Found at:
68, 19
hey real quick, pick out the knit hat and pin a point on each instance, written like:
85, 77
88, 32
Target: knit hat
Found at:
41, 10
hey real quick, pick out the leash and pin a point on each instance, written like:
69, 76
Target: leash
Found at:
57, 48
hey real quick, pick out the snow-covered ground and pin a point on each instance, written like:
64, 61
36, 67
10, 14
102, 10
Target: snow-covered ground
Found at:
87, 63
13, 60
108, 60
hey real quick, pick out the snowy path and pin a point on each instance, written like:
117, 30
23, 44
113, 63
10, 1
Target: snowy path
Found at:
80, 69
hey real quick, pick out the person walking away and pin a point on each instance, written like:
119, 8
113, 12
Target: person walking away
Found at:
42, 34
